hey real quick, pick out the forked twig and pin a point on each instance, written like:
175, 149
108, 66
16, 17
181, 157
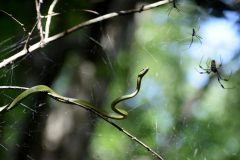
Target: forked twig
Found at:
39, 20
66, 100
49, 18
79, 26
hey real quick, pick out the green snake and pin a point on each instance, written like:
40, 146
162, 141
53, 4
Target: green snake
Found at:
119, 113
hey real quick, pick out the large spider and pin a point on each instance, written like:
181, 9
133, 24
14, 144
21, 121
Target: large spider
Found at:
214, 69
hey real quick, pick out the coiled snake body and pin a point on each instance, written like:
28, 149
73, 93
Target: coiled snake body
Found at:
119, 112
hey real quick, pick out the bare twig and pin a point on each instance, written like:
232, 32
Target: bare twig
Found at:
49, 18
13, 87
26, 46
66, 100
39, 20
91, 11
10, 15
50, 15
81, 25
133, 138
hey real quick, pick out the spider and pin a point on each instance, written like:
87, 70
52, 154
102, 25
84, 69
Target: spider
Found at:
194, 34
214, 69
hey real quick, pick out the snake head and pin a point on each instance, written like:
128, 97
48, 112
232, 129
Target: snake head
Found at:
143, 72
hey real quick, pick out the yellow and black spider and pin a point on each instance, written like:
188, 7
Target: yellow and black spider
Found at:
214, 69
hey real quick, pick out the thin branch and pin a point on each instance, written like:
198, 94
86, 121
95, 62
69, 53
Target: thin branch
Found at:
79, 26
26, 46
39, 20
49, 18
13, 87
67, 101
50, 15
10, 15
91, 11
133, 137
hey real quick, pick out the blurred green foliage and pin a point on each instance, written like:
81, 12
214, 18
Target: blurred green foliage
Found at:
169, 114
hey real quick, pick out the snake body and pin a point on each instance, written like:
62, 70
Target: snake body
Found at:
119, 112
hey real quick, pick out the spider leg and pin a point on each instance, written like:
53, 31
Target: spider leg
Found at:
219, 81
208, 71
224, 79
169, 10
175, 3
205, 69
199, 38
177, 9
204, 72
220, 65
208, 63
191, 42
174, 6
